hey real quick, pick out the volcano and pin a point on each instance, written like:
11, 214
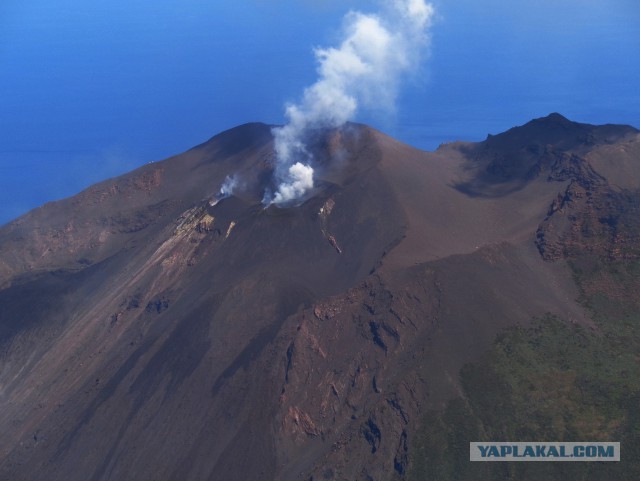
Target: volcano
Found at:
151, 329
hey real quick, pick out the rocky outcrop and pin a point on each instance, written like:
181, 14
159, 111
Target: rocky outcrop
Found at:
589, 217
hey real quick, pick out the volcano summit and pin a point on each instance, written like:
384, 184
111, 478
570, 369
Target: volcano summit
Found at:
154, 329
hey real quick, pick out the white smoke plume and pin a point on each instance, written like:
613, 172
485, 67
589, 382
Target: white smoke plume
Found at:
230, 183
299, 179
364, 70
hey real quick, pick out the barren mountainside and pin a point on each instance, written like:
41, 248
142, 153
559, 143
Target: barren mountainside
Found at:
151, 331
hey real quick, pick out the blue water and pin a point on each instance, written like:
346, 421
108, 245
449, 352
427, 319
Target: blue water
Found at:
89, 90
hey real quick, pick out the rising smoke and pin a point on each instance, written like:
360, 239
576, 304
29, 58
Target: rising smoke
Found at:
231, 183
363, 71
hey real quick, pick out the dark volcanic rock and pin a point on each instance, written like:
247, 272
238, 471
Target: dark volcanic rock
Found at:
149, 330
549, 146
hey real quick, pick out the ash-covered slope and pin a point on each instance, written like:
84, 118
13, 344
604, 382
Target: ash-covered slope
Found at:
150, 332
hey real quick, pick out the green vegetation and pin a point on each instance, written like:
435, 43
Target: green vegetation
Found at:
551, 381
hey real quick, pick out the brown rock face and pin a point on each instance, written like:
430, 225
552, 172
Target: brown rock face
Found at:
591, 216
151, 331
